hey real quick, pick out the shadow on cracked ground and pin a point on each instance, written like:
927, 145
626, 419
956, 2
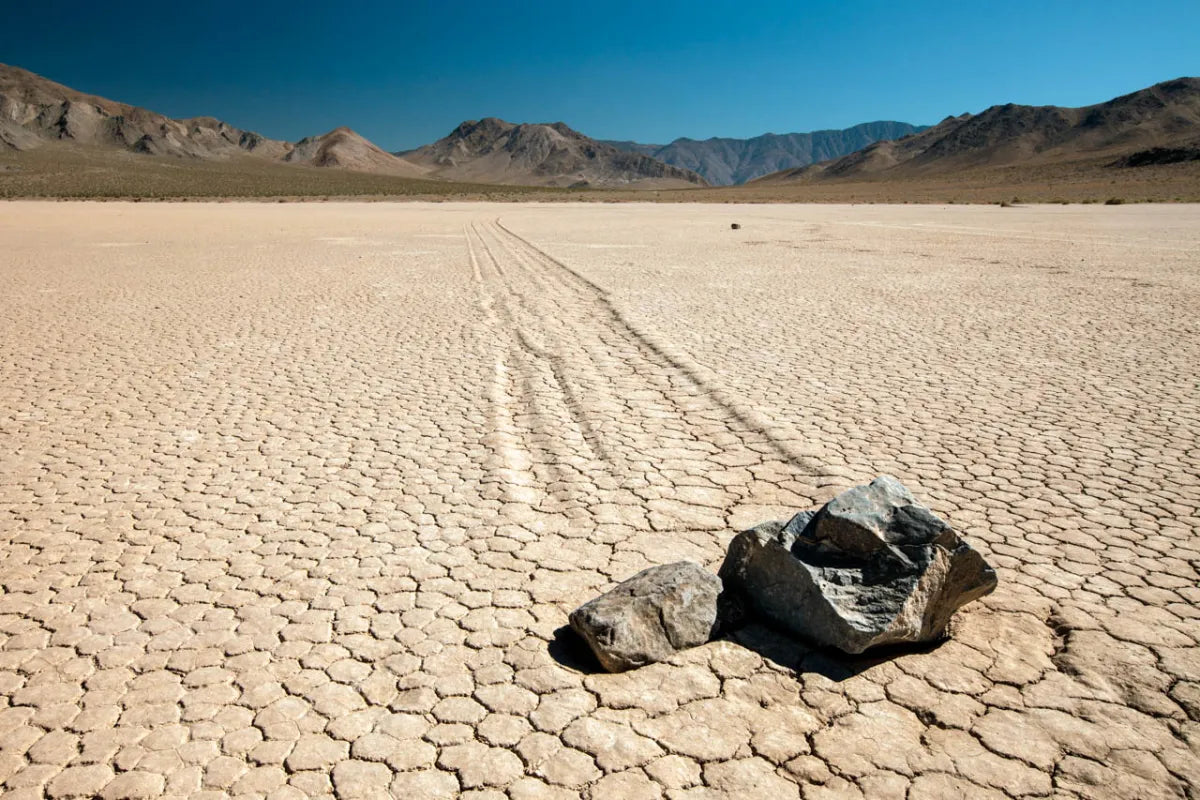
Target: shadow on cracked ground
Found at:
569, 650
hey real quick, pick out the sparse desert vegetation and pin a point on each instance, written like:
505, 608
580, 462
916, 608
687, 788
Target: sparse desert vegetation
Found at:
88, 173
93, 173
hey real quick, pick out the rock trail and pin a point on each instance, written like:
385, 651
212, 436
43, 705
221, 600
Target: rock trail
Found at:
608, 407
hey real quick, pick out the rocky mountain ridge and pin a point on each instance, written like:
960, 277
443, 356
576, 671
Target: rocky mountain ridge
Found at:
1152, 127
728, 161
492, 150
35, 111
1163, 116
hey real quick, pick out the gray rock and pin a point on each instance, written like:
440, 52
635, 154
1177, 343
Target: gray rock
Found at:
871, 567
650, 616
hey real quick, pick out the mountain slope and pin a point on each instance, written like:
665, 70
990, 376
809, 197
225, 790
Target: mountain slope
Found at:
1161, 116
550, 154
634, 147
344, 148
49, 111
724, 161
35, 111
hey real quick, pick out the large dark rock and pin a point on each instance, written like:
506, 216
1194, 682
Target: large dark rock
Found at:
650, 616
871, 567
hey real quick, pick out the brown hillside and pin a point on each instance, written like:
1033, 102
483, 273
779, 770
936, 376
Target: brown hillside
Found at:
1165, 115
35, 112
550, 154
345, 149
49, 111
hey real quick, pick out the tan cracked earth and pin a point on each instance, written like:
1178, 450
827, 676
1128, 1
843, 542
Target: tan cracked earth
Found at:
294, 499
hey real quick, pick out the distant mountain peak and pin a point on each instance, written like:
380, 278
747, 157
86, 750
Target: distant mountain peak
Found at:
723, 161
1161, 117
344, 148
546, 153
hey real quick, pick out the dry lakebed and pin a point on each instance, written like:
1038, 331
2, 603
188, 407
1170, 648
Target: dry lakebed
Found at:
295, 499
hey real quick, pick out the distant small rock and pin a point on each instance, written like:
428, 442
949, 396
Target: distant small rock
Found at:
871, 567
735, 226
651, 616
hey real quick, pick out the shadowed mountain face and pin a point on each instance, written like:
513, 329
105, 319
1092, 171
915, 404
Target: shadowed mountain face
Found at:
35, 111
1166, 115
724, 162
550, 154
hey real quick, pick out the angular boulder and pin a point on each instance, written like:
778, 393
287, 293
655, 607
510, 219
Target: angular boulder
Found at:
871, 567
650, 616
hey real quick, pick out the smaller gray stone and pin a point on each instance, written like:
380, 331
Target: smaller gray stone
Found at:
650, 616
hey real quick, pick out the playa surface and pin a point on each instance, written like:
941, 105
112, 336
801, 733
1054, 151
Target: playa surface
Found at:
295, 499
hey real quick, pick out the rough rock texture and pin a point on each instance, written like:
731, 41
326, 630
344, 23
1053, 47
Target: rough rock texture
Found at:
872, 567
649, 617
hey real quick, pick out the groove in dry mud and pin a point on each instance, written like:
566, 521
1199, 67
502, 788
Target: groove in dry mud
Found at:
676, 361
601, 402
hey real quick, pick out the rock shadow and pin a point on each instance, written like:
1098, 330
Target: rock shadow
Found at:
570, 650
806, 658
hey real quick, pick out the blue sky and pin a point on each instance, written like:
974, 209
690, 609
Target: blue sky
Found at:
404, 74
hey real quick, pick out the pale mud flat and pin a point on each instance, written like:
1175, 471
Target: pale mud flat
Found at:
294, 499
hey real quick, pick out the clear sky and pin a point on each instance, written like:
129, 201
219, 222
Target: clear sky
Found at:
406, 73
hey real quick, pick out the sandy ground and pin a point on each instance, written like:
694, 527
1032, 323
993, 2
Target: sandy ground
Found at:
294, 499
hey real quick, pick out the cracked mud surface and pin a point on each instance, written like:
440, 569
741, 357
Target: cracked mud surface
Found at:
294, 500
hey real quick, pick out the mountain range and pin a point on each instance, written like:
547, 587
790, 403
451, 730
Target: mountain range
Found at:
1138, 133
1146, 126
35, 111
725, 162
